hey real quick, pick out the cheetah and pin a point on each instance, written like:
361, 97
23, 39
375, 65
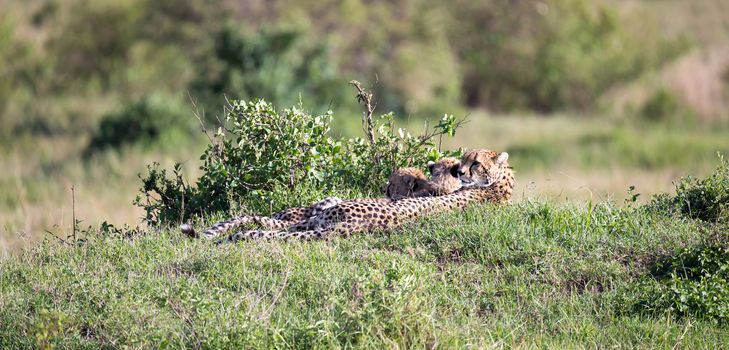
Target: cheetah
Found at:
486, 174
476, 172
410, 182
404, 182
444, 175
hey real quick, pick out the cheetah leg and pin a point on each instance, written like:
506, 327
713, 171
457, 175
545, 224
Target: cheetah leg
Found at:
269, 223
318, 233
228, 225
324, 204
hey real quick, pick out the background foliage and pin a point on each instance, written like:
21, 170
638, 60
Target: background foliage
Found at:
75, 61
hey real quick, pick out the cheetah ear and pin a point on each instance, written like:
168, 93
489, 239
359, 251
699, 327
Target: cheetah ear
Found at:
502, 158
431, 165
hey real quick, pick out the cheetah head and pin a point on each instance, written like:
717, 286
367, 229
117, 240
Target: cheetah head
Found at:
444, 176
482, 167
405, 182
411, 182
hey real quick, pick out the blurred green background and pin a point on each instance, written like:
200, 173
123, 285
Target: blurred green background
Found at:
588, 97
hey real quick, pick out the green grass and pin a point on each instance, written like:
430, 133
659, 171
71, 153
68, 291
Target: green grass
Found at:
35, 187
528, 274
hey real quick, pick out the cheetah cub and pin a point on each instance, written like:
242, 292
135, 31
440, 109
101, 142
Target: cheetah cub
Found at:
411, 182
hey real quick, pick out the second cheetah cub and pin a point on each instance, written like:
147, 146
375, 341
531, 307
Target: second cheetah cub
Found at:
411, 182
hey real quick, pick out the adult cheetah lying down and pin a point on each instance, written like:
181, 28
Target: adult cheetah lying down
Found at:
404, 182
486, 175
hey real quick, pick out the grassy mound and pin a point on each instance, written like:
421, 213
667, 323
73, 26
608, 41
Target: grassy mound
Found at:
530, 274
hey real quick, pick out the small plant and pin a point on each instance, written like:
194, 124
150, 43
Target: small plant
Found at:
694, 282
632, 198
704, 199
49, 327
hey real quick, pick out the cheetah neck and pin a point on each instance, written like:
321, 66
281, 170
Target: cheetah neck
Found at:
502, 189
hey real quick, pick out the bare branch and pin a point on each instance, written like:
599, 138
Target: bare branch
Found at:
196, 113
56, 237
73, 212
365, 98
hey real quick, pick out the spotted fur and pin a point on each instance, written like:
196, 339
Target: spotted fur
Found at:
278, 221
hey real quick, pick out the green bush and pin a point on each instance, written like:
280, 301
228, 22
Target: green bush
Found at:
263, 159
694, 282
704, 199
144, 121
661, 106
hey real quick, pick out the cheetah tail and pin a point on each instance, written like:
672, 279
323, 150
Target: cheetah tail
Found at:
188, 230
217, 229
226, 226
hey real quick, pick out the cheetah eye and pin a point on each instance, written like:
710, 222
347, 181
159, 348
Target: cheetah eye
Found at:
454, 171
475, 165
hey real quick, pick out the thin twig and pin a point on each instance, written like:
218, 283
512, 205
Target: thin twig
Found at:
227, 106
267, 313
680, 339
182, 314
73, 212
427, 136
56, 237
329, 108
197, 115
365, 98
